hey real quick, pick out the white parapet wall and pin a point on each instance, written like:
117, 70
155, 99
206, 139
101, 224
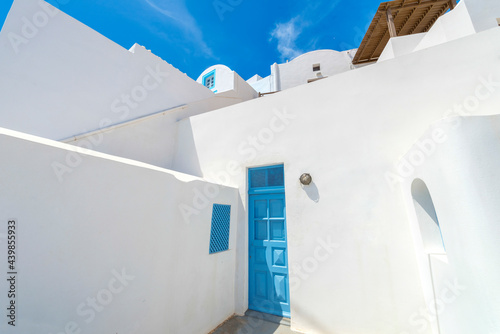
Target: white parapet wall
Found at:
305, 68
312, 65
114, 246
64, 81
468, 17
60, 78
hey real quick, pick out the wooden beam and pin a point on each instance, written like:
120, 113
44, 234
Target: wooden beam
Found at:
367, 61
403, 17
408, 18
435, 18
420, 22
453, 4
390, 23
430, 24
417, 4
382, 42
367, 37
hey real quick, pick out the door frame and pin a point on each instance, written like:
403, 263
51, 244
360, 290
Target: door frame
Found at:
279, 190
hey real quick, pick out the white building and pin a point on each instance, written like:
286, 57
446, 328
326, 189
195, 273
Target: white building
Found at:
221, 80
307, 68
176, 207
304, 69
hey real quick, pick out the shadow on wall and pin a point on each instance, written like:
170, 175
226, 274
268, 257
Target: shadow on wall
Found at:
241, 258
427, 218
312, 191
186, 156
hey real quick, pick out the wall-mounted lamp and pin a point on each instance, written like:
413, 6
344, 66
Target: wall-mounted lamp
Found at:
306, 179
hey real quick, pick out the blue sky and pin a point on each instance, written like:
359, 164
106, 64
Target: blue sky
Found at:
246, 35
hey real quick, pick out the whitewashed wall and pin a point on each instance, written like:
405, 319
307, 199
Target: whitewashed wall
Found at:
60, 78
224, 78
483, 13
150, 139
400, 46
348, 131
453, 25
300, 70
229, 84
461, 172
111, 233
262, 85
468, 17
69, 83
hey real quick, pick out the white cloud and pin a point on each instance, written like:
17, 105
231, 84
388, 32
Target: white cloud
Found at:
286, 35
179, 16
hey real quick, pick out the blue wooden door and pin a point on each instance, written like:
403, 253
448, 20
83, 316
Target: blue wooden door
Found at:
268, 254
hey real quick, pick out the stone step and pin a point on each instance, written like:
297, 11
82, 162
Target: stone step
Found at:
268, 317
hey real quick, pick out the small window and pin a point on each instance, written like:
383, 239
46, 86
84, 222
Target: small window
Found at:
219, 235
316, 67
209, 80
267, 177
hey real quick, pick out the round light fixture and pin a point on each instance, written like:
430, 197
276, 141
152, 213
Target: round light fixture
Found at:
306, 179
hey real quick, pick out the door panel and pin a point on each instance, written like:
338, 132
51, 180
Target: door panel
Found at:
268, 277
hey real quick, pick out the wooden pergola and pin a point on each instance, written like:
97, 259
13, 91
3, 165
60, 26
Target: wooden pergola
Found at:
399, 18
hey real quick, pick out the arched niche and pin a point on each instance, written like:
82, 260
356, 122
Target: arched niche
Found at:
428, 222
